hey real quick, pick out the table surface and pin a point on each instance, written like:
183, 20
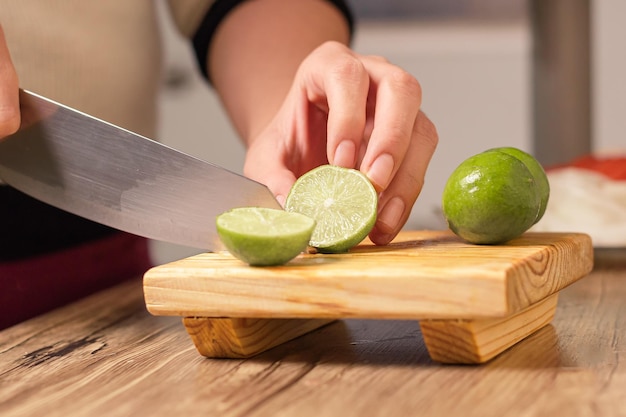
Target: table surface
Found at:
106, 356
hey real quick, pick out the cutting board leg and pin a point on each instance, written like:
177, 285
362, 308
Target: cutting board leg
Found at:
479, 340
244, 337
447, 340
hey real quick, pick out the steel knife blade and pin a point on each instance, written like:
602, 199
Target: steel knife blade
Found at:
115, 177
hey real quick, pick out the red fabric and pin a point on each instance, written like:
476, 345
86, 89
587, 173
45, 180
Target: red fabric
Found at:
612, 167
36, 285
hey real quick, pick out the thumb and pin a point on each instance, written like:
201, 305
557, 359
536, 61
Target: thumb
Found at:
270, 173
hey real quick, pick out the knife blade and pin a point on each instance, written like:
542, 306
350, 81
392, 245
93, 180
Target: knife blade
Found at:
115, 177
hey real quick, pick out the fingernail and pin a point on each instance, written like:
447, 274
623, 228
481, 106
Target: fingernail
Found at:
345, 154
391, 214
281, 200
380, 171
384, 239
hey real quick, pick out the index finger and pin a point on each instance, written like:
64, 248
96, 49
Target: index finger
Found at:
341, 83
398, 101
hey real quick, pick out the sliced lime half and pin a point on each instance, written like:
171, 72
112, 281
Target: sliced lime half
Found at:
342, 201
263, 236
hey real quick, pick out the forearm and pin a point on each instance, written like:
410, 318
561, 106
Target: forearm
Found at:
252, 69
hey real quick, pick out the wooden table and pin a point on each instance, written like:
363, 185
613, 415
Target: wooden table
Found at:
106, 356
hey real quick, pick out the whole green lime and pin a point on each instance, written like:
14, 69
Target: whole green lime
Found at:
491, 197
539, 174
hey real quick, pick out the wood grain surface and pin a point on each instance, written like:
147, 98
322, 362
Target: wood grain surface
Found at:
477, 341
107, 356
421, 275
242, 338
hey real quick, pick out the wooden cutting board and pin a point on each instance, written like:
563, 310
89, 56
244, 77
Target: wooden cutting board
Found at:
481, 298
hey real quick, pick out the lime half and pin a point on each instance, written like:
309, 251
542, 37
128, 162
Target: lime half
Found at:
342, 201
262, 236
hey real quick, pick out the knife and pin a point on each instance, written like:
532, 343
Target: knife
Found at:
118, 178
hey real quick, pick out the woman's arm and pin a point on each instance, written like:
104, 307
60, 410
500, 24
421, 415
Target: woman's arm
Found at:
257, 49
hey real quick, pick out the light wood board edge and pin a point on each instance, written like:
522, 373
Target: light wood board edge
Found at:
478, 341
551, 262
245, 337
551, 269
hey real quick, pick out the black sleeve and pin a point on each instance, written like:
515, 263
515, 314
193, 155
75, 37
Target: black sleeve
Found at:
216, 14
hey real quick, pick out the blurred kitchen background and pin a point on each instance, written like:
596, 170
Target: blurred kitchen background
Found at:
473, 59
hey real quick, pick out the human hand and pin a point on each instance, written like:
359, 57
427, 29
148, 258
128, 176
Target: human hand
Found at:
354, 111
9, 91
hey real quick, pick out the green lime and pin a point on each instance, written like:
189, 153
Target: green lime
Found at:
263, 236
342, 201
538, 172
490, 198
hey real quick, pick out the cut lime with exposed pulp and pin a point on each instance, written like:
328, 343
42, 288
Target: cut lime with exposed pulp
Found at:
342, 201
263, 236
